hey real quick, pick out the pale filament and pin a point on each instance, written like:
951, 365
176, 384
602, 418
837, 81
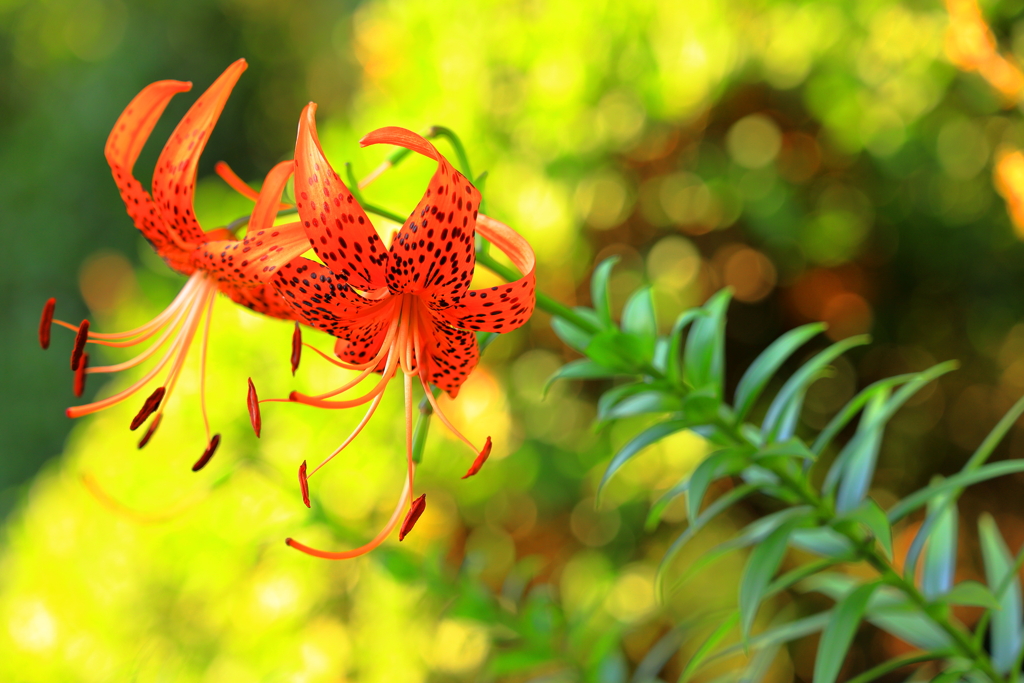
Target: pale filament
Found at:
170, 329
202, 365
181, 342
184, 298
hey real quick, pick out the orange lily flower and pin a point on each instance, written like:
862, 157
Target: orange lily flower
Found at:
406, 308
167, 220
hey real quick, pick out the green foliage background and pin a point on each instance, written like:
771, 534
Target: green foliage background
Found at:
831, 140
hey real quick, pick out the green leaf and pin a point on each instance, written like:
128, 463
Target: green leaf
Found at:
995, 436
853, 406
761, 566
704, 356
956, 482
599, 294
719, 464
641, 441
722, 503
660, 505
764, 367
672, 369
580, 369
620, 351
707, 646
652, 401
611, 398
835, 641
940, 554
822, 541
873, 518
971, 593
784, 633
638, 315
1007, 635
803, 378
856, 463
573, 336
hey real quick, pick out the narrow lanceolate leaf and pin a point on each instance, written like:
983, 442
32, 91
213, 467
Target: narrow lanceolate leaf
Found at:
673, 370
853, 406
1007, 636
660, 505
721, 504
580, 369
638, 315
783, 633
704, 357
874, 520
719, 464
599, 290
613, 396
979, 456
801, 379
940, 553
971, 593
653, 401
957, 482
856, 463
835, 641
707, 647
573, 336
641, 441
761, 567
764, 367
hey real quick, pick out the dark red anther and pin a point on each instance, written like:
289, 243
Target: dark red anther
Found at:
149, 407
304, 483
480, 460
45, 322
415, 510
207, 454
80, 339
80, 375
253, 401
296, 347
152, 428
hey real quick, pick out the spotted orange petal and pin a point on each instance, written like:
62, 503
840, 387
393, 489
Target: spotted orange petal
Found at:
505, 307
175, 175
338, 228
434, 252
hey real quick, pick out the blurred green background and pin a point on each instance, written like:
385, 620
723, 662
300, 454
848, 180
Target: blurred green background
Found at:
824, 159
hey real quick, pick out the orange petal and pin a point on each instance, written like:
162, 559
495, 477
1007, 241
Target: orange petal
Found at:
338, 228
434, 251
175, 175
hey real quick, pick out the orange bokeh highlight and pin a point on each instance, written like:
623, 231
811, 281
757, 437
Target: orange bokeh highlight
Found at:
835, 297
1009, 182
971, 46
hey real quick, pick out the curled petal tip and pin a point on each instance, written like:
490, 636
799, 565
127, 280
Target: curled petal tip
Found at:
481, 458
80, 339
79, 387
207, 454
149, 407
415, 511
253, 402
45, 322
304, 483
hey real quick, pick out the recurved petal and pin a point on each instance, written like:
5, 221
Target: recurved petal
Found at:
124, 144
136, 122
451, 355
433, 254
175, 175
263, 299
338, 228
505, 307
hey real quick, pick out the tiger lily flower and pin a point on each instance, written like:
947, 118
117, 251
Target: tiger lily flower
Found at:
406, 308
167, 220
